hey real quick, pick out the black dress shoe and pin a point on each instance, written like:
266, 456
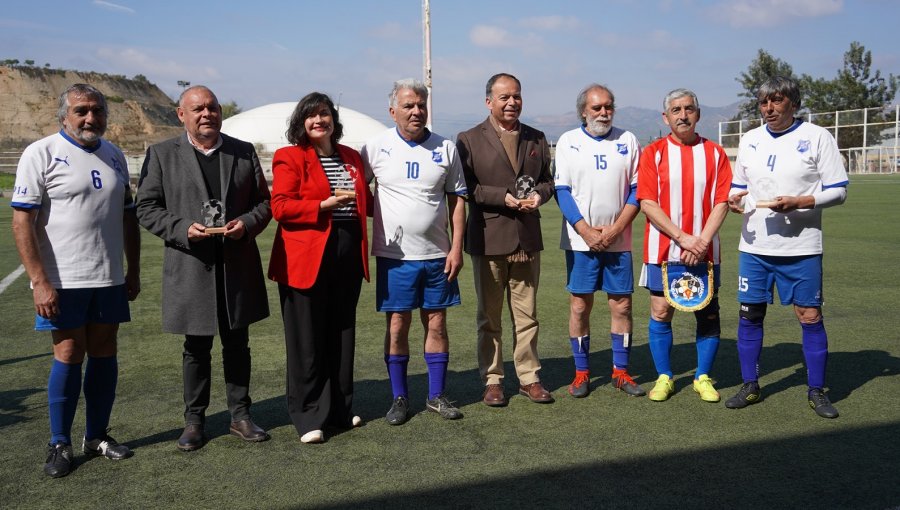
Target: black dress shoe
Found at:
248, 431
192, 438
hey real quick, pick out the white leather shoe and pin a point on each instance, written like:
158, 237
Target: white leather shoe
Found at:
313, 436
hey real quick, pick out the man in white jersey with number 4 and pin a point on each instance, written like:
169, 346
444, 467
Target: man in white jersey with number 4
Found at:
73, 218
419, 183
786, 172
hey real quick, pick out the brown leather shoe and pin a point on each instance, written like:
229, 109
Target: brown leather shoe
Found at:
493, 395
536, 393
248, 431
192, 438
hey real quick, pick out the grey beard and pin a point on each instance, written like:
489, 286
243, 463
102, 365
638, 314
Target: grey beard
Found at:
597, 128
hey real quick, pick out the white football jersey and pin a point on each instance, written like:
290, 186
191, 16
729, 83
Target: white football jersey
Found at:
81, 196
599, 172
412, 181
800, 161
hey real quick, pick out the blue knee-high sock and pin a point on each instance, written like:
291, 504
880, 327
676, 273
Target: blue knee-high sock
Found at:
707, 346
437, 372
100, 378
815, 350
396, 367
581, 350
63, 389
621, 349
660, 339
749, 345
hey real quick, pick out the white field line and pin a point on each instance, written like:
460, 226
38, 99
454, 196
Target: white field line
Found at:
11, 277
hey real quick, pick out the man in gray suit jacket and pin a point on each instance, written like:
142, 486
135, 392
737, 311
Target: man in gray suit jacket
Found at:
507, 169
211, 282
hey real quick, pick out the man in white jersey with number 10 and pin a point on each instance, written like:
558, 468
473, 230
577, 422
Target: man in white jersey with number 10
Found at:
419, 183
786, 172
73, 218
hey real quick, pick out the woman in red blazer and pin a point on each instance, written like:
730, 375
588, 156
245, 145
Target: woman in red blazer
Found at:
319, 258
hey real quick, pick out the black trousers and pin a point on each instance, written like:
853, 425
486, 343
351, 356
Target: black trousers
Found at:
320, 335
196, 365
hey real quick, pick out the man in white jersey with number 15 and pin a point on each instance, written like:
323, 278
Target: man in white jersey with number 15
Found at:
419, 182
786, 172
73, 218
596, 187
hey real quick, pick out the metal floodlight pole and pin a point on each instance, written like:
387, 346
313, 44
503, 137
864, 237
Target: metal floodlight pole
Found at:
426, 36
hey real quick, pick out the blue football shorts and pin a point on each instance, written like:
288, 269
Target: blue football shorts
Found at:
404, 285
652, 280
77, 307
590, 271
798, 279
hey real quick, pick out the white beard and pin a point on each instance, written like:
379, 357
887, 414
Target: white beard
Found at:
597, 128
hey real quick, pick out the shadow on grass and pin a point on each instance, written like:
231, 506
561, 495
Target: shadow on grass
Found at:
849, 469
12, 407
24, 358
372, 398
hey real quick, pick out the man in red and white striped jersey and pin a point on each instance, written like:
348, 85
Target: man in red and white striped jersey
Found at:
683, 184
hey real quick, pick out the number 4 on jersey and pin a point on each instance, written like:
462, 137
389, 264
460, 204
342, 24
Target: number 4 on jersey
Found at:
771, 163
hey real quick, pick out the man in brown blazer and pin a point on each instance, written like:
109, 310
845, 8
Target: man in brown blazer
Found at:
507, 169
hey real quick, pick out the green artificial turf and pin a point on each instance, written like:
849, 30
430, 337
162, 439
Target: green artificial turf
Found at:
604, 451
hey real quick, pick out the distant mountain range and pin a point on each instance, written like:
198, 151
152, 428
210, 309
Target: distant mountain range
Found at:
645, 123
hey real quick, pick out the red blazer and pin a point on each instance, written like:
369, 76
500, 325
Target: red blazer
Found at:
299, 184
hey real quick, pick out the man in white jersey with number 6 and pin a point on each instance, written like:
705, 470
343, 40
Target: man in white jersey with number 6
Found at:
73, 218
419, 183
786, 172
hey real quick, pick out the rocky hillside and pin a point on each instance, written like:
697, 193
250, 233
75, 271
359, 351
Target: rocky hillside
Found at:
140, 113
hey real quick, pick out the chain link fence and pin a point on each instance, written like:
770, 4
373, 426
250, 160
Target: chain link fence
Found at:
868, 138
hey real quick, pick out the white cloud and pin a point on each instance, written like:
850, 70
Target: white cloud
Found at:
113, 7
130, 60
490, 37
764, 13
549, 23
394, 31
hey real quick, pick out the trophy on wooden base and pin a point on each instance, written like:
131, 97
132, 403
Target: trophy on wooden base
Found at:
213, 212
766, 191
524, 189
345, 182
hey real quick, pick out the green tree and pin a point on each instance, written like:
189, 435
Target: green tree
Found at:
856, 86
29, 62
230, 109
763, 67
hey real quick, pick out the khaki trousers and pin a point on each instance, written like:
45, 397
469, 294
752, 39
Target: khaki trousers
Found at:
518, 281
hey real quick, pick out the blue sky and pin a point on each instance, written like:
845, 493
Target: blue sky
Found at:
268, 51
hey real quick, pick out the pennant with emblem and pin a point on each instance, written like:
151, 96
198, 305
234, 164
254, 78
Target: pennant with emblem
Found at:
688, 288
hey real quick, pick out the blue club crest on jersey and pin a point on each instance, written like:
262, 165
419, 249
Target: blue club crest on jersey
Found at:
802, 146
436, 156
622, 148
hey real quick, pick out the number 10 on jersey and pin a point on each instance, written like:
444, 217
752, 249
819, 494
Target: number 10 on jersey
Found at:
412, 169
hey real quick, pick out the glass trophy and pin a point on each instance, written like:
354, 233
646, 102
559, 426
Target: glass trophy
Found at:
213, 212
765, 192
345, 185
525, 188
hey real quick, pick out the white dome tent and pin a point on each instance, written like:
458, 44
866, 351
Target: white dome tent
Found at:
265, 126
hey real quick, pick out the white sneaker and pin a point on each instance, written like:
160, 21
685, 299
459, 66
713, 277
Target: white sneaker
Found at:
313, 436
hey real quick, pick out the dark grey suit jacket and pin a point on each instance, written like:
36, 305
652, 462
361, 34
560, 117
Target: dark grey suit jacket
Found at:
169, 198
492, 228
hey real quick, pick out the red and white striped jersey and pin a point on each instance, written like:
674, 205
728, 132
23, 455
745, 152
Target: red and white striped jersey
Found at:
686, 181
